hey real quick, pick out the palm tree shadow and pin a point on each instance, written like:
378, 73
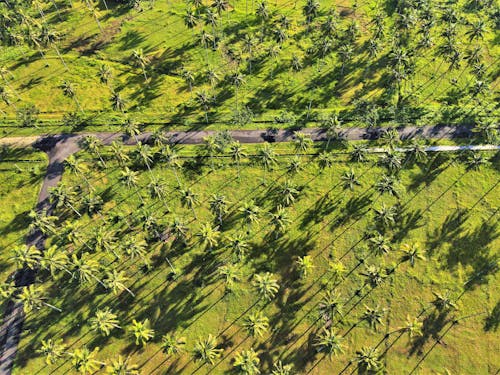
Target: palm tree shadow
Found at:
431, 327
492, 321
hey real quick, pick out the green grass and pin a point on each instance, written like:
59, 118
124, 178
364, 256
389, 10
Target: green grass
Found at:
271, 86
457, 246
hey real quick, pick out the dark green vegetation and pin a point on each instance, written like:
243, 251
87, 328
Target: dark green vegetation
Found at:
228, 64
227, 258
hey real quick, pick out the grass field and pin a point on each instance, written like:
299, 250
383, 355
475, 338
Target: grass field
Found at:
448, 209
176, 89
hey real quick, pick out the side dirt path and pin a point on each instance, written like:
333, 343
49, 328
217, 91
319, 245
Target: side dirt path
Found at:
59, 147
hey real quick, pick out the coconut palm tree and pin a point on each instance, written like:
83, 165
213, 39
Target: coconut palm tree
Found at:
218, 206
477, 30
93, 145
368, 360
63, 196
54, 260
374, 275
104, 321
179, 230
279, 220
359, 153
115, 281
141, 331
387, 184
251, 214
32, 298
267, 157
117, 102
206, 350
26, 256
385, 216
52, 350
379, 244
172, 344
411, 253
302, 142
238, 246
237, 152
266, 285
295, 165
105, 74
7, 290
443, 302
189, 199
281, 369
42, 222
373, 316
209, 236
475, 161
121, 366
325, 160
310, 11
256, 324
84, 268
329, 342
413, 327
304, 265
417, 152
230, 274
84, 362
141, 61
392, 161
247, 362
287, 193
130, 179
237, 79
330, 306
191, 18
350, 180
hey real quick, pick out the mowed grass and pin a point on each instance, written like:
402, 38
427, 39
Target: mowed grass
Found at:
451, 212
271, 85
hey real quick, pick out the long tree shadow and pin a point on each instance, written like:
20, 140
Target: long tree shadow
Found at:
492, 321
432, 325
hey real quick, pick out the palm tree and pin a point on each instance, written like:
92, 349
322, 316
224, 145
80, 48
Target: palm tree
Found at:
247, 362
443, 302
179, 230
304, 265
475, 161
7, 290
62, 195
350, 180
392, 161
267, 158
32, 299
477, 31
141, 331
172, 344
294, 166
117, 102
413, 327
115, 281
280, 369
279, 220
266, 285
237, 152
238, 246
330, 306
379, 244
42, 222
25, 256
237, 79
368, 360
84, 362
85, 269
206, 350
325, 160
52, 350
230, 274
387, 184
385, 216
302, 142
171, 159
189, 199
209, 236
310, 11
188, 77
411, 253
374, 275
256, 324
359, 153
141, 61
205, 100
93, 144
288, 193
488, 131
373, 316
130, 179
132, 128
251, 214
105, 74
329, 342
68, 90
54, 260
104, 321
191, 19
417, 152
121, 366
